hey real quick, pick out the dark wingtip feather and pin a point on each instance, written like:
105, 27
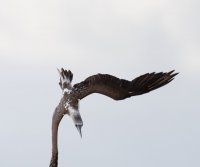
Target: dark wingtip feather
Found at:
170, 72
165, 79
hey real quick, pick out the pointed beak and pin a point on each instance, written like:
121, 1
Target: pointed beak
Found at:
79, 129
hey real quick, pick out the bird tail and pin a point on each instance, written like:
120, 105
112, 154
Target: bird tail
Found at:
66, 74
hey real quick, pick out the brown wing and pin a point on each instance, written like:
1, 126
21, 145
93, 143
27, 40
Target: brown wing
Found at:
119, 89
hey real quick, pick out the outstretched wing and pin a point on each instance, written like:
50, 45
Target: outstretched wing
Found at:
119, 89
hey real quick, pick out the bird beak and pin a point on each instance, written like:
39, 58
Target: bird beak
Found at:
79, 129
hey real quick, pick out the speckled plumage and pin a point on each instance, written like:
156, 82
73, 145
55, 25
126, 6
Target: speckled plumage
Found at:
113, 87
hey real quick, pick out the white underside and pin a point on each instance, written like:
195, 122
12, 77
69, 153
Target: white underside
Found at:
73, 111
66, 91
70, 108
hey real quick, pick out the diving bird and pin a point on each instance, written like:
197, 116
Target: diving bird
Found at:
113, 87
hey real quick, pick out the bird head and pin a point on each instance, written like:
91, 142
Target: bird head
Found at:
76, 117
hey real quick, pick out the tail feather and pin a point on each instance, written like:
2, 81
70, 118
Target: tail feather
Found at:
66, 77
67, 74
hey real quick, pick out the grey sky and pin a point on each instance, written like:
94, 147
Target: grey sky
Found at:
123, 38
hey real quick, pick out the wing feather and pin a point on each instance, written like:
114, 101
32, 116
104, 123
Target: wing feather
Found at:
119, 89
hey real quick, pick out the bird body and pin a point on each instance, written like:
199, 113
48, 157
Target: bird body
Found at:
113, 87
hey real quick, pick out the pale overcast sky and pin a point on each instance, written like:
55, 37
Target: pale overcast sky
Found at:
125, 38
